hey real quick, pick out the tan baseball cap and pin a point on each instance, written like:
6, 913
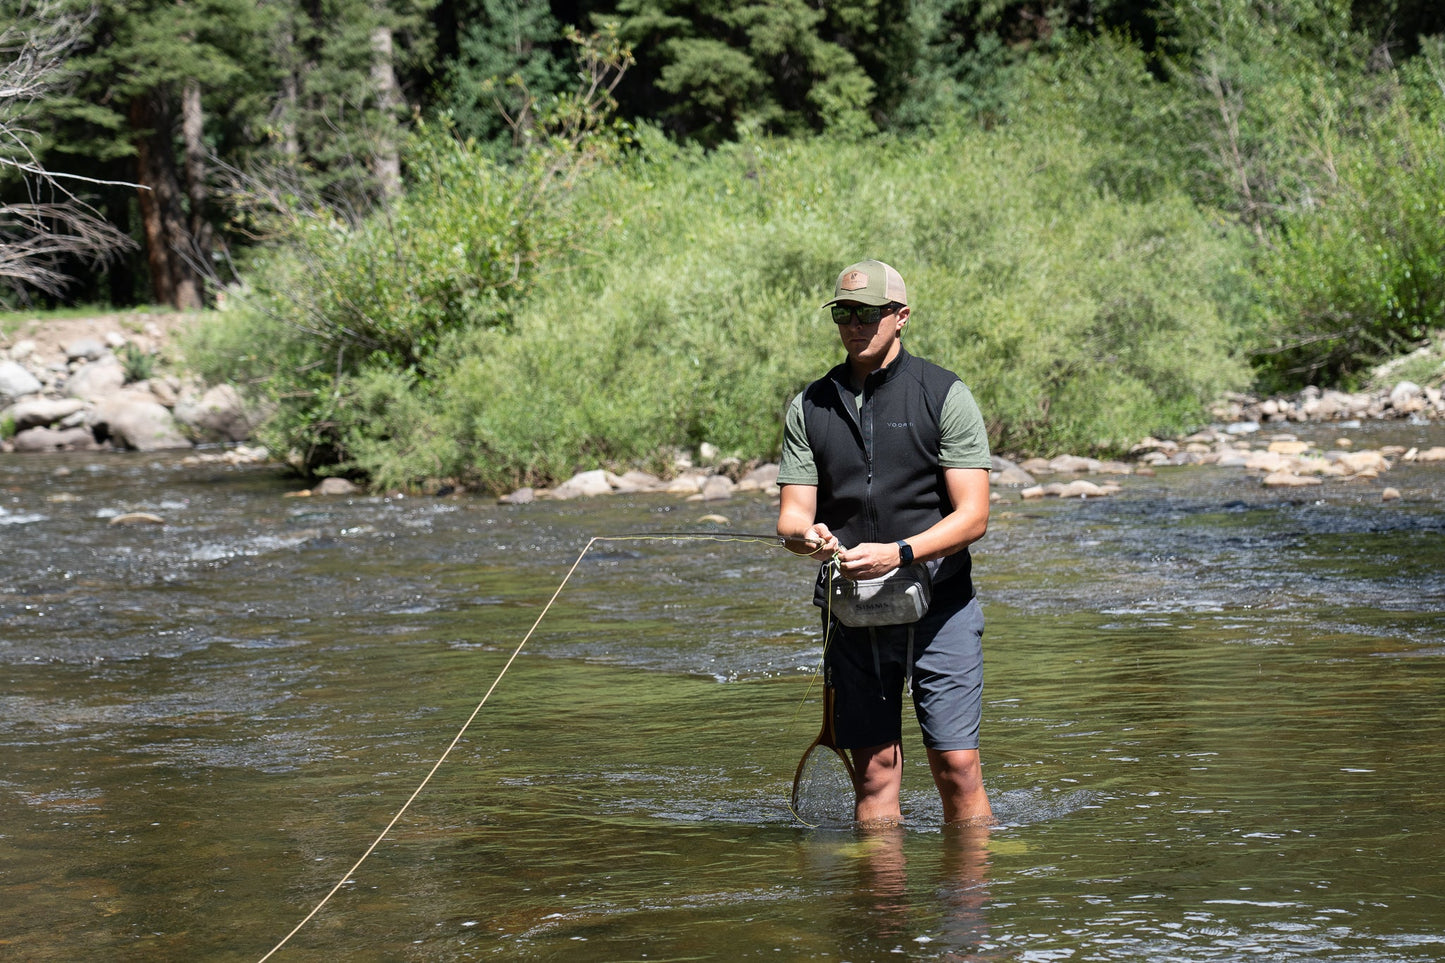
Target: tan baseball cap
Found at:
869, 282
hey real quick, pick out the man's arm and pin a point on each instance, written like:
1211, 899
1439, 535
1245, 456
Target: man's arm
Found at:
796, 523
968, 491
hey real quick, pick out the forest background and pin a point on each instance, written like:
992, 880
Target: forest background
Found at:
498, 241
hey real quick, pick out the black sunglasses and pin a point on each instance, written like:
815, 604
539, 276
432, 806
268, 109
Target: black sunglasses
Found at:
842, 314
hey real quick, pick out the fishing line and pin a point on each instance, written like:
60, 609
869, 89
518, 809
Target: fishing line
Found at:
631, 537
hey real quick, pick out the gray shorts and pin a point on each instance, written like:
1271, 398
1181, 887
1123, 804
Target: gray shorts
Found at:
865, 667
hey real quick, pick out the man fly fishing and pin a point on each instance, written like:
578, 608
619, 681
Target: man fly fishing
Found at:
885, 471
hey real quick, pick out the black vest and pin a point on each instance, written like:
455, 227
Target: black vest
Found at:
879, 479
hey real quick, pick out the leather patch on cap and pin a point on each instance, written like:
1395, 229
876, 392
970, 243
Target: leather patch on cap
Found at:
853, 281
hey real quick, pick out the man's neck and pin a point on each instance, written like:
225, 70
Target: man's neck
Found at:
860, 369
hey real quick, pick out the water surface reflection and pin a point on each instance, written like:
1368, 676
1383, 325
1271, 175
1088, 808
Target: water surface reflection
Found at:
1212, 730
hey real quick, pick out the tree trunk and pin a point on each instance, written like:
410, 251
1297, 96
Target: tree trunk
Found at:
168, 241
290, 106
388, 100
192, 131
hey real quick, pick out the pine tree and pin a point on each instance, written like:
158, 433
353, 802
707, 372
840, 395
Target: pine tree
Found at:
509, 58
147, 83
710, 68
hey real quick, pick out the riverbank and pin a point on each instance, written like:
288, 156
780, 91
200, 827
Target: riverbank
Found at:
115, 381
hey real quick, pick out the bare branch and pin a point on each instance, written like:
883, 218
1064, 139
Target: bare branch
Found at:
56, 227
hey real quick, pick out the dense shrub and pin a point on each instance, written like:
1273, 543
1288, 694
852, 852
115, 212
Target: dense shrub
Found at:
347, 310
1359, 276
1080, 321
1077, 265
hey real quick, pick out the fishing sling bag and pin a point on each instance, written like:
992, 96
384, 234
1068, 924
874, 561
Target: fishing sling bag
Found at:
899, 597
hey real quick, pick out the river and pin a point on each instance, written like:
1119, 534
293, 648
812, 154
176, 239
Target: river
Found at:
1213, 728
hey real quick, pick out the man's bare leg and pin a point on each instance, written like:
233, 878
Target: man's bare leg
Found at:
958, 775
880, 777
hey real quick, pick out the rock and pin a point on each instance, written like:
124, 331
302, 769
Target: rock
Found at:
1285, 479
51, 439
1429, 454
93, 381
43, 412
1073, 463
714, 520
688, 483
760, 479
1405, 392
85, 349
1084, 489
335, 486
137, 518
1289, 447
717, 488
635, 481
584, 485
21, 350
16, 382
218, 415
1355, 462
1013, 476
136, 423
1390, 495
1074, 489
1267, 461
522, 496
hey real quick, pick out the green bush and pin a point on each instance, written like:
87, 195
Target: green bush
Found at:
345, 308
1080, 321
1359, 276
673, 299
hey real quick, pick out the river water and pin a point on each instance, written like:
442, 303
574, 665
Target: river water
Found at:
1214, 728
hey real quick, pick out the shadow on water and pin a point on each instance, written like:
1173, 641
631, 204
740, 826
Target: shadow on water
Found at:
1212, 730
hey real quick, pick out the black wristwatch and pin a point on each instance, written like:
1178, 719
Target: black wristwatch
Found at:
905, 553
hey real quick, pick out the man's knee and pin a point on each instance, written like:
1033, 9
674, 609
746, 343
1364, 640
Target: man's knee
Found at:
956, 767
878, 767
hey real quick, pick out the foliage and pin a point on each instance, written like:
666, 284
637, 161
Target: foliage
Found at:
1079, 321
1359, 276
506, 62
342, 302
714, 69
138, 365
350, 313
1263, 83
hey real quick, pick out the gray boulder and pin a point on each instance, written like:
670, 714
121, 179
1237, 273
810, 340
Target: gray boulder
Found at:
218, 415
85, 349
136, 422
96, 380
43, 412
16, 382
52, 439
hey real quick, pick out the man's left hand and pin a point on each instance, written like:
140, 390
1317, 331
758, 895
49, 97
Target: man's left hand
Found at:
868, 560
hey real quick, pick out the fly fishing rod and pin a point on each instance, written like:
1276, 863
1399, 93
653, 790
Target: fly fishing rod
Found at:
780, 540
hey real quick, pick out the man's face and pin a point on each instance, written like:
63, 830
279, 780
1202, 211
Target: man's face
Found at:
869, 341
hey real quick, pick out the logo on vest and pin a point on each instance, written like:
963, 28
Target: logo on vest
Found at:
900, 424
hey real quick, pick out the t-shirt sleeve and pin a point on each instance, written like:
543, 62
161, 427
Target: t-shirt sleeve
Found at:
964, 441
796, 466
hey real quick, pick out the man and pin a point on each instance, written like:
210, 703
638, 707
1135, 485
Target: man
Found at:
886, 461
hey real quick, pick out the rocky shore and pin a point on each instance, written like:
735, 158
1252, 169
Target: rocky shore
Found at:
86, 385
102, 383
